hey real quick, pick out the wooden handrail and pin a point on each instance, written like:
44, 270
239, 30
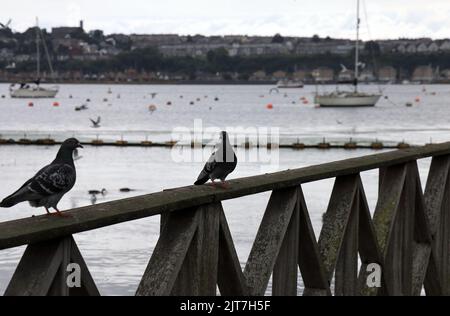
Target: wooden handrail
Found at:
40, 228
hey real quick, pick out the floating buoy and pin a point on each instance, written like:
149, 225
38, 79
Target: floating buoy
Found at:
30, 104
417, 99
269, 106
55, 103
152, 108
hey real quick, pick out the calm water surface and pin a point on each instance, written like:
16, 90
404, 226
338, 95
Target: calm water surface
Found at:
117, 255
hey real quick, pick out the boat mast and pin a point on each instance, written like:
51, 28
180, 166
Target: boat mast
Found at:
38, 55
358, 21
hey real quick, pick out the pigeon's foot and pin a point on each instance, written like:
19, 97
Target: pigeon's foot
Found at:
213, 184
61, 214
224, 185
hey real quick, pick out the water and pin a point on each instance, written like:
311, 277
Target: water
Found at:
117, 255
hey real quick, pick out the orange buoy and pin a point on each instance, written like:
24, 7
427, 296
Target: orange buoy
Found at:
30, 104
417, 99
55, 103
269, 106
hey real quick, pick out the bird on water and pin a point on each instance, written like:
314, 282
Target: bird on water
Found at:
50, 183
220, 164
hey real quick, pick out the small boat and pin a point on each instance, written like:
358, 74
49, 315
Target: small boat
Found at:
353, 98
346, 99
286, 84
34, 89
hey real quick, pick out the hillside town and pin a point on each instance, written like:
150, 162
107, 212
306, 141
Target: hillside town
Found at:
121, 58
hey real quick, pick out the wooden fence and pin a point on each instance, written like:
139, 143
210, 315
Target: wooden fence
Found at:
408, 235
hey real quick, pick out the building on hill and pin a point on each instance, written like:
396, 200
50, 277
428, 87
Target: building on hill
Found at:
387, 74
423, 74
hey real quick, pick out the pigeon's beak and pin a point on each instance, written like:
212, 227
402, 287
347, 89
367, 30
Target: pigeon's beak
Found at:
79, 145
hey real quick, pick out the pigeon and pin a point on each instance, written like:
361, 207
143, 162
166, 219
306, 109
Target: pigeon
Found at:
50, 184
96, 124
221, 163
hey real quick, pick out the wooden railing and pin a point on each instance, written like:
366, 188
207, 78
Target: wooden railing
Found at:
408, 236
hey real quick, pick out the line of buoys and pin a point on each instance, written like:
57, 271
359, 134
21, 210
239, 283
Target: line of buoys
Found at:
376, 145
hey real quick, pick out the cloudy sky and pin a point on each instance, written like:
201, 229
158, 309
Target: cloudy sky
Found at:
336, 18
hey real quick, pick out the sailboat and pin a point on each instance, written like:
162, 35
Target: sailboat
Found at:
34, 89
353, 98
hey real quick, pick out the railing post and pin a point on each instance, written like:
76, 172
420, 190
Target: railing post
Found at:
43, 271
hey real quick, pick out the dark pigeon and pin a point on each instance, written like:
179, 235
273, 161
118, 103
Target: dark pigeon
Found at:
50, 184
221, 163
96, 124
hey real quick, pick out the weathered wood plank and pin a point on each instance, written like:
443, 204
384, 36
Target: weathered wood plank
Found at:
169, 254
368, 246
43, 271
208, 231
346, 273
335, 221
285, 272
88, 286
268, 240
387, 205
39, 228
231, 279
309, 261
36, 270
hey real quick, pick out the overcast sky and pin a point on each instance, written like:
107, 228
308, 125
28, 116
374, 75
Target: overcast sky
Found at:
336, 18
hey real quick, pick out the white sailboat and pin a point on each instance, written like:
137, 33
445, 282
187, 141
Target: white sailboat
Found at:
349, 98
34, 89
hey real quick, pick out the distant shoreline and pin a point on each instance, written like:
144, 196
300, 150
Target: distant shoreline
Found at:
218, 82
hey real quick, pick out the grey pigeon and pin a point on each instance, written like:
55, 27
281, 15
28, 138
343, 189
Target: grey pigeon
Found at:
50, 184
221, 163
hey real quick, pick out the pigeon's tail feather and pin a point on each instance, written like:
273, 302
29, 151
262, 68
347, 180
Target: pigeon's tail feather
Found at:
9, 202
202, 179
15, 198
